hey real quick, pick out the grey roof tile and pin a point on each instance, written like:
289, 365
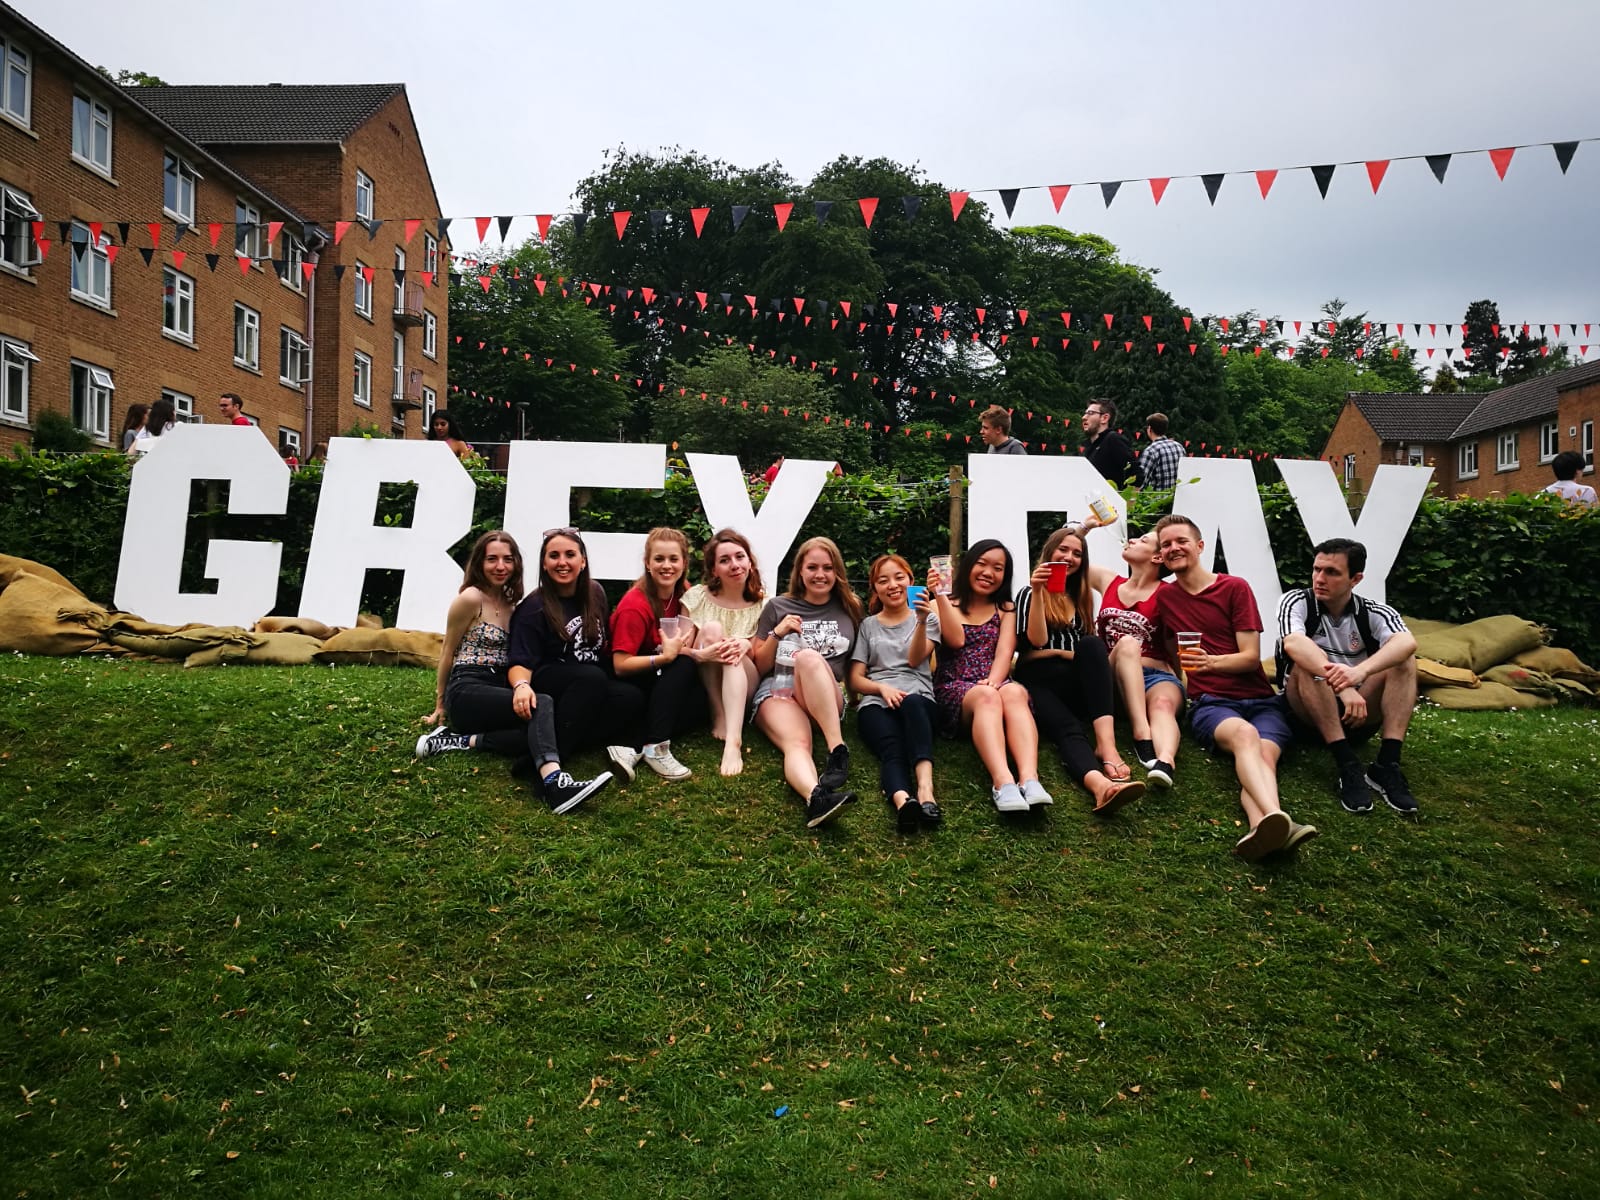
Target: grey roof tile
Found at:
267, 114
1413, 417
1524, 402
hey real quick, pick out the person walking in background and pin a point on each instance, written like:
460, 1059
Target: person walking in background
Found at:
994, 427
1158, 465
163, 417
1566, 466
232, 408
443, 428
133, 427
1106, 449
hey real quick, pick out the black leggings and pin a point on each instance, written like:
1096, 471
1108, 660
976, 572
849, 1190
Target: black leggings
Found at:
593, 708
672, 696
900, 738
479, 701
1069, 695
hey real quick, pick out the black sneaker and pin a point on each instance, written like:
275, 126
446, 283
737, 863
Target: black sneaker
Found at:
440, 740
565, 793
1354, 795
1161, 774
1145, 752
838, 768
825, 804
1389, 783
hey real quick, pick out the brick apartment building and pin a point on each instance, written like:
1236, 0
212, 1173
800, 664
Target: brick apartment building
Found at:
1479, 443
246, 186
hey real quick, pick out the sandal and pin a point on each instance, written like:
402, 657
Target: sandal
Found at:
1115, 796
1116, 770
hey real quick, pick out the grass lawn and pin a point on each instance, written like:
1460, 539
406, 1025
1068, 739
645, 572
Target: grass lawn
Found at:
252, 947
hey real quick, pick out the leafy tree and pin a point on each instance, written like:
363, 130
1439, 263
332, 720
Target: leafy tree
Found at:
1503, 354
1445, 381
127, 78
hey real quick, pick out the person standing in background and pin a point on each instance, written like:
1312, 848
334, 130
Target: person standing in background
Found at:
994, 427
233, 409
1158, 465
1106, 449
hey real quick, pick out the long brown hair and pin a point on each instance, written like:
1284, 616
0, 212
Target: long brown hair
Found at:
589, 595
663, 533
474, 575
841, 586
136, 416
873, 603
1075, 603
754, 590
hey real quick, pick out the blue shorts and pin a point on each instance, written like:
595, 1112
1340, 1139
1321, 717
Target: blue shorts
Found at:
1155, 675
1269, 715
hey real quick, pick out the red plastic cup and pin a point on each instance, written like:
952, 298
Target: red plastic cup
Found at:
1058, 577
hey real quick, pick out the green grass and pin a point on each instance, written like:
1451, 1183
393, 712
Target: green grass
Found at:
253, 948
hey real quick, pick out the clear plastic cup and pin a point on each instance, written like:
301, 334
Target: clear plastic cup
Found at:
669, 627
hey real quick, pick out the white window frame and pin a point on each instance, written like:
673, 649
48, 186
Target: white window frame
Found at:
1586, 447
430, 334
249, 242
16, 367
363, 379
399, 392
430, 402
89, 118
400, 280
1349, 470
1549, 440
366, 196
1414, 456
293, 351
363, 291
1467, 460
182, 406
179, 307
430, 253
188, 180
294, 257
1505, 451
99, 388
288, 442
17, 210
16, 97
248, 321
94, 262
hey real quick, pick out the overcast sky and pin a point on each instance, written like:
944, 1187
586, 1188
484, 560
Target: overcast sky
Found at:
517, 101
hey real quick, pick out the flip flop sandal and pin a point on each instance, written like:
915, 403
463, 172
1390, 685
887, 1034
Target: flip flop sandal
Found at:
1116, 770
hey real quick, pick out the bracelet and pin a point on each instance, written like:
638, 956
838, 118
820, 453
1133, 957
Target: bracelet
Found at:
652, 662
521, 683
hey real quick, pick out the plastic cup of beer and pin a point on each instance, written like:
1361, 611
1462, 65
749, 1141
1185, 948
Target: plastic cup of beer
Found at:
1188, 643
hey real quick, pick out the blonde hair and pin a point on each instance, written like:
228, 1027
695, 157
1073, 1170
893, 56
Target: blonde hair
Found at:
841, 586
664, 533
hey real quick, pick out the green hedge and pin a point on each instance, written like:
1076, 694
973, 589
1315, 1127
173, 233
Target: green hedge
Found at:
1530, 555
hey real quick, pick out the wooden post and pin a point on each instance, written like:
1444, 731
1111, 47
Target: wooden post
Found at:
957, 488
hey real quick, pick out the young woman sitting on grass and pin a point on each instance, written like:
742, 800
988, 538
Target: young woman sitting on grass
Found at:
725, 609
802, 645
660, 668
472, 684
889, 671
973, 685
559, 648
1066, 671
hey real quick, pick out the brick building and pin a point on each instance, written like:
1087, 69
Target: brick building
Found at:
1479, 443
180, 242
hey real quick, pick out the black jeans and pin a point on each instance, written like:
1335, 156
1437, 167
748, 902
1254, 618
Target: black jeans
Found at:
1069, 695
900, 738
593, 708
479, 701
673, 699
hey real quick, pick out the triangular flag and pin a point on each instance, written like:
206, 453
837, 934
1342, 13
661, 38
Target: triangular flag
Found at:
1066, 319
273, 229
822, 208
1107, 317
1058, 193
740, 212
911, 205
154, 228
113, 251
1323, 175
412, 225
123, 229
1187, 322
214, 229
1147, 323
1376, 169
1502, 159
1438, 164
1265, 180
1158, 188
308, 269
958, 201
698, 216
483, 226
580, 221
505, 226
182, 227
340, 228
869, 206
1108, 191
620, 220
782, 211
1008, 197
443, 226
177, 258
658, 218
147, 253
543, 221
244, 264
212, 260
1022, 315
1213, 186
1564, 152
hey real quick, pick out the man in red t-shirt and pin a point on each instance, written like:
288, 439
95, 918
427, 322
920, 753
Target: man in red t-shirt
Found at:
1233, 707
232, 409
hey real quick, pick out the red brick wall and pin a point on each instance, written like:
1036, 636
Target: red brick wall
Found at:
1579, 405
1529, 475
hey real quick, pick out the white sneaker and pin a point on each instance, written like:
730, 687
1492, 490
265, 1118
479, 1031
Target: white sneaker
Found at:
1008, 798
440, 740
661, 761
1033, 792
626, 759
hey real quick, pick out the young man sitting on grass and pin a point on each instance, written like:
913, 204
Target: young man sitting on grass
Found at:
1233, 707
1349, 668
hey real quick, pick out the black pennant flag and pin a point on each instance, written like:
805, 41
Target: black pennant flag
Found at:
505, 226
1323, 175
281, 266
399, 276
658, 218
147, 253
1213, 185
740, 212
872, 310
1279, 324
823, 208
64, 229
455, 276
123, 228
339, 270
212, 260
1439, 164
911, 204
579, 220
1108, 191
1449, 330
178, 230
1008, 197
1564, 152
727, 297
372, 229
822, 307
444, 226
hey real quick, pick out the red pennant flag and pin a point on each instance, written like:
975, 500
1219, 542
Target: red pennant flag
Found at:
1297, 329
620, 219
1501, 160
543, 220
958, 201
699, 216
177, 258
1224, 349
274, 228
1147, 324
981, 313
1430, 351
1127, 347
96, 228
1325, 352
1331, 327
1505, 351
1187, 321
1258, 351
782, 211
483, 282
412, 225
1192, 347
1375, 172
1291, 351
113, 251
701, 297
869, 206
1224, 324
308, 269
1066, 319
894, 310
244, 265
1494, 330
483, 227
1265, 180
154, 228
799, 304
844, 307
1095, 345
1058, 193
751, 301
1107, 316
340, 228
1158, 188
214, 228
1161, 348
1022, 316
1263, 323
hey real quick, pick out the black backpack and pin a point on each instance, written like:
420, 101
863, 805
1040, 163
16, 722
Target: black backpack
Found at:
1315, 615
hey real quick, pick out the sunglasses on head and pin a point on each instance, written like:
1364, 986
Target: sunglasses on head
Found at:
566, 531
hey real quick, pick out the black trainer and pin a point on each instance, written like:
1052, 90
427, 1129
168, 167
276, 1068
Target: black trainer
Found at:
1145, 751
1387, 780
1354, 795
838, 769
1161, 774
565, 793
825, 804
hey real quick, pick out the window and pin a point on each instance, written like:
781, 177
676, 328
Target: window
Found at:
91, 133
399, 279
1349, 470
364, 196
430, 253
1467, 460
430, 401
288, 442
1414, 456
1549, 440
182, 406
363, 380
17, 214
363, 290
1505, 451
1586, 445
91, 399
399, 367
430, 335
16, 85
294, 258
294, 358
178, 188
16, 369
91, 266
247, 337
177, 304
249, 235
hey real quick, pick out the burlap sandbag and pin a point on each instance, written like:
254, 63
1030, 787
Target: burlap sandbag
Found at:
303, 625
1482, 644
31, 620
1525, 679
175, 641
1562, 664
11, 568
1419, 626
1436, 674
1486, 697
263, 650
383, 648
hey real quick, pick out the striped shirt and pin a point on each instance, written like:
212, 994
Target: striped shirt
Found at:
1059, 637
1338, 637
